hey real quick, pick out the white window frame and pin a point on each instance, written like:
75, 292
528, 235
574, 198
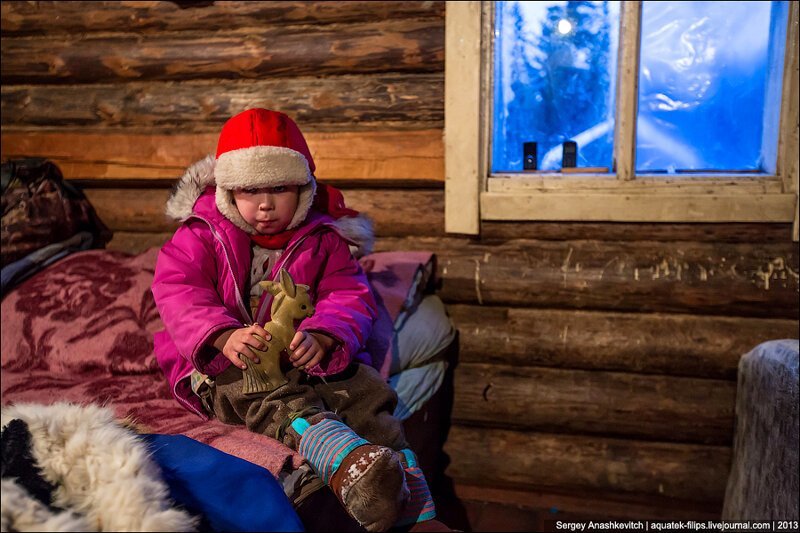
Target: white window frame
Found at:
472, 194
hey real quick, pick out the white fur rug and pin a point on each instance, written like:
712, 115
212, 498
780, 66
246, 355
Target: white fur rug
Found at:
105, 478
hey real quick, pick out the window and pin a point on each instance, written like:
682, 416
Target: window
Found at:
710, 76
554, 81
681, 111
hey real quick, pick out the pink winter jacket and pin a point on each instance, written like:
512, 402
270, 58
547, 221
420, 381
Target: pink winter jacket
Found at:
201, 286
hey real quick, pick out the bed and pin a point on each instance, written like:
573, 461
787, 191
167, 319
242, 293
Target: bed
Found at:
80, 330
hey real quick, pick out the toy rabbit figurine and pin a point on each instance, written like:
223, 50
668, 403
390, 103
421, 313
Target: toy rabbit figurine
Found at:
291, 302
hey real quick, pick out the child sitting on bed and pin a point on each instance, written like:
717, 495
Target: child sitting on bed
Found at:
254, 210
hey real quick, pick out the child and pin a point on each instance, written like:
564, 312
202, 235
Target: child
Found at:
254, 210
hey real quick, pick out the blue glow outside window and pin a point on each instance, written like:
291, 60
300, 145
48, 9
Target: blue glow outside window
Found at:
554, 80
710, 86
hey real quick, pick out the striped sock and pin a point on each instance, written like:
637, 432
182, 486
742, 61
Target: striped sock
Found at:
420, 507
326, 444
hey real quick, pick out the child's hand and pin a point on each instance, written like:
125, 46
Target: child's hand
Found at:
309, 348
240, 340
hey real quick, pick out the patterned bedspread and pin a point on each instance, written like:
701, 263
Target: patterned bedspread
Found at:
82, 331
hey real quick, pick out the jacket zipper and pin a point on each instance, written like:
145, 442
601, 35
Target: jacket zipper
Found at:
239, 301
184, 403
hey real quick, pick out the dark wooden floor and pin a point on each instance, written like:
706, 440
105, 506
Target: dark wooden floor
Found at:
470, 508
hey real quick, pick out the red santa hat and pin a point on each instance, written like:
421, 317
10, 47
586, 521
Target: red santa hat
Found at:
262, 148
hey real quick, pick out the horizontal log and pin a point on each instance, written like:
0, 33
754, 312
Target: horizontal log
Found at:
412, 212
374, 155
551, 231
398, 185
686, 346
678, 345
410, 101
132, 210
659, 408
701, 278
496, 457
759, 281
391, 46
135, 243
400, 213
52, 18
626, 231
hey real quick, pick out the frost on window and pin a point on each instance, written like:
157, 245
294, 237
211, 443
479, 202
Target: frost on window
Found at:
554, 80
709, 85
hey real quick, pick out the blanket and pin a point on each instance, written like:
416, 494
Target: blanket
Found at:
81, 331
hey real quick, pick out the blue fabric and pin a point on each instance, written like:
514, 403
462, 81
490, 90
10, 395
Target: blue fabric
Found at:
16, 272
230, 493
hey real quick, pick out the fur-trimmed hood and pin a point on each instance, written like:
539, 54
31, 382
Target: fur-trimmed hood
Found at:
200, 176
102, 475
189, 188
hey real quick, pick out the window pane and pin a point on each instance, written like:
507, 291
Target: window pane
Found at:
554, 80
709, 85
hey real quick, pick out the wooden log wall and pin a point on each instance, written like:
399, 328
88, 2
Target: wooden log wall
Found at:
596, 358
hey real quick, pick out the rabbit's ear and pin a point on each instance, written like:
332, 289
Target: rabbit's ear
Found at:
287, 283
271, 287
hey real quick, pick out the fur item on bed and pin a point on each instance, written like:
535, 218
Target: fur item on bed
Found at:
19, 463
22, 512
103, 474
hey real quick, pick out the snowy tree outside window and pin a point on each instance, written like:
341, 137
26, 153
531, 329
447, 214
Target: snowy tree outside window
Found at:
709, 84
555, 77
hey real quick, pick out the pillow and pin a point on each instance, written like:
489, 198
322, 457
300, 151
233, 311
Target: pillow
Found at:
400, 280
91, 313
418, 355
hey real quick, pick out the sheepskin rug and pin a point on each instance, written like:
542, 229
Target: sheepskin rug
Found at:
104, 477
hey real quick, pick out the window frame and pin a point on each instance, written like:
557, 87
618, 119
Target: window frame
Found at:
473, 194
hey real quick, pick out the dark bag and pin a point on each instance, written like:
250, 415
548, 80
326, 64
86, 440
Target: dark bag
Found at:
40, 208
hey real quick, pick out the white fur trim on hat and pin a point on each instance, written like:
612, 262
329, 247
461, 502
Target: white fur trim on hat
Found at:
304, 202
261, 166
227, 206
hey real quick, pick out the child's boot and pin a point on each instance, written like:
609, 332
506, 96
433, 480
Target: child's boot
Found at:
420, 510
367, 479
